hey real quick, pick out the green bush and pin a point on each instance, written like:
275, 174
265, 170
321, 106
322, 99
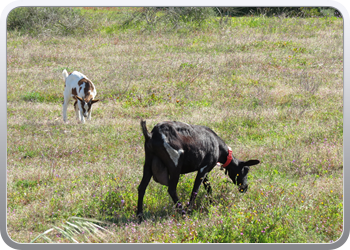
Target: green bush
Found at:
194, 15
276, 11
173, 17
47, 20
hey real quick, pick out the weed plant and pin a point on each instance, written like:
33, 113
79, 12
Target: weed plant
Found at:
271, 87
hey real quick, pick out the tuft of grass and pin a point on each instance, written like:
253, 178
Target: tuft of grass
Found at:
74, 229
33, 96
41, 97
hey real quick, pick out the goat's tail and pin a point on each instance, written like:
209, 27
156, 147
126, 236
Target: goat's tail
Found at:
145, 132
64, 74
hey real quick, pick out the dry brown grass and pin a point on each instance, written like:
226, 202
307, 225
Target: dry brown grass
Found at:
272, 92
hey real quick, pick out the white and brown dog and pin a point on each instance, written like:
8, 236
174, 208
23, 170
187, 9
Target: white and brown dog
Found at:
80, 88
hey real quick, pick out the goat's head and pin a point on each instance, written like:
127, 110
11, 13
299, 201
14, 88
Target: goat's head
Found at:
86, 106
238, 172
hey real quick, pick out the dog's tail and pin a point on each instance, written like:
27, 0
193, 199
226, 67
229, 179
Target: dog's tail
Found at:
145, 132
64, 74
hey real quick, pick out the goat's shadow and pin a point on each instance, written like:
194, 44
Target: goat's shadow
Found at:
167, 212
155, 216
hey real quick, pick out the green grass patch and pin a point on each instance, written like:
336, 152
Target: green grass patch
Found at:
42, 97
270, 87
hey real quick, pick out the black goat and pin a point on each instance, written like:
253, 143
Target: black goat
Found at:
174, 148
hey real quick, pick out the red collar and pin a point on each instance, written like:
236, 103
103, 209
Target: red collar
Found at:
229, 158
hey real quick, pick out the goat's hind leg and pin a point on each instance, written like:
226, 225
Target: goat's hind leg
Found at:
77, 112
201, 177
173, 180
174, 176
65, 106
147, 174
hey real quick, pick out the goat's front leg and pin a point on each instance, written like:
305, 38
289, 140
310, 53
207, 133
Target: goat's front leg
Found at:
201, 176
80, 114
89, 114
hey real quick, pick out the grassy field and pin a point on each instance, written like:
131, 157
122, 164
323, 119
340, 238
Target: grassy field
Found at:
270, 87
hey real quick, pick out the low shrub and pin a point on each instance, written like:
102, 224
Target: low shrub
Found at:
47, 20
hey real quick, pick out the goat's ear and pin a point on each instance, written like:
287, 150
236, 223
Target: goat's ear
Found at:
251, 163
93, 101
79, 98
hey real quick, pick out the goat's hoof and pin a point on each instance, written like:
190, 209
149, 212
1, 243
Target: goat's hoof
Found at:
189, 207
140, 217
183, 214
189, 211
